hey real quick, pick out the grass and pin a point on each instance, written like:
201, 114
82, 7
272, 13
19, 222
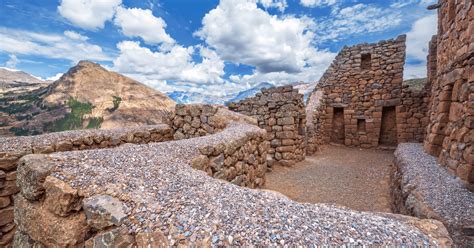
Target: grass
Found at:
416, 84
75, 118
117, 100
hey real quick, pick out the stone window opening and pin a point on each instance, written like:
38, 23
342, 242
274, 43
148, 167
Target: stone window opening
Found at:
301, 126
366, 61
361, 125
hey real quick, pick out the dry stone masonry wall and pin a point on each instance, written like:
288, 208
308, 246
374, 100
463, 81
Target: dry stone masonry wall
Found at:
280, 111
12, 149
164, 202
450, 133
360, 99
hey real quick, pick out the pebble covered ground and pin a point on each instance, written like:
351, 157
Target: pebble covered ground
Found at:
163, 192
441, 191
353, 177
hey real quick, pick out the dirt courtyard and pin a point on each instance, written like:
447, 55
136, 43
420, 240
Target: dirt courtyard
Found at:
352, 177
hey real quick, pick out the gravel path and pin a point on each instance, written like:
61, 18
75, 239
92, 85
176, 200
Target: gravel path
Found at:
163, 192
352, 177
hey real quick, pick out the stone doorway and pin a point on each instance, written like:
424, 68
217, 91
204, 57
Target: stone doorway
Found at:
388, 129
337, 135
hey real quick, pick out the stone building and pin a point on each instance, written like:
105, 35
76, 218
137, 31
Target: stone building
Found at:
280, 111
450, 133
362, 101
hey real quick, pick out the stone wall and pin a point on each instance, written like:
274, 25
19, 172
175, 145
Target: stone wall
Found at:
12, 149
416, 191
450, 133
412, 114
155, 199
361, 99
280, 111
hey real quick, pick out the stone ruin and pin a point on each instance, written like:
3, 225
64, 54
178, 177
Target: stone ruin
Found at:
360, 99
167, 185
440, 185
280, 111
450, 133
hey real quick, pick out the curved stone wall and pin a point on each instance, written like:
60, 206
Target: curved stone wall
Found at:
13, 148
107, 198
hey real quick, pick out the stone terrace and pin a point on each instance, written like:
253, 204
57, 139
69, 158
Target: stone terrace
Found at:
155, 198
423, 188
12, 149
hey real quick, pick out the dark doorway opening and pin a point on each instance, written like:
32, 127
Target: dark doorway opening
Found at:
366, 61
361, 125
337, 135
388, 130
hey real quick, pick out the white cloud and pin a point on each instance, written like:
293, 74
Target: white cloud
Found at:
417, 45
403, 3
317, 3
142, 23
88, 14
55, 46
174, 65
242, 33
281, 5
12, 61
356, 19
75, 36
55, 77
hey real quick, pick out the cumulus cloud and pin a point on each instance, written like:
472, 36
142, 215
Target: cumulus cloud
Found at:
242, 33
57, 46
88, 14
173, 65
12, 61
135, 22
317, 3
55, 77
417, 45
281, 5
356, 19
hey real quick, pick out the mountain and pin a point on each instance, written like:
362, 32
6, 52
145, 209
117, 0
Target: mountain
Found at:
250, 92
15, 81
185, 97
87, 96
304, 88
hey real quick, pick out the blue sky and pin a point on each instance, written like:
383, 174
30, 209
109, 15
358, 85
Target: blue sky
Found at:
208, 46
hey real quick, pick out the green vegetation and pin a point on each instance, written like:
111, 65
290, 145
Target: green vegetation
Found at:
95, 123
75, 118
117, 100
416, 84
18, 131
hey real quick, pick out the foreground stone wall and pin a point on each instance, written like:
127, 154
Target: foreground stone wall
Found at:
280, 111
13, 148
422, 188
450, 133
164, 202
412, 114
360, 99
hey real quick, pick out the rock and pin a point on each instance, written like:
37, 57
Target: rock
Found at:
103, 211
6, 215
151, 240
60, 198
117, 237
45, 227
32, 171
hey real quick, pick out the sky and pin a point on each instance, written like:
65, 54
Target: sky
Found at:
206, 46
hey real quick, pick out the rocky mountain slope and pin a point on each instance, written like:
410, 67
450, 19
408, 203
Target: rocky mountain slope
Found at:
87, 96
15, 81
